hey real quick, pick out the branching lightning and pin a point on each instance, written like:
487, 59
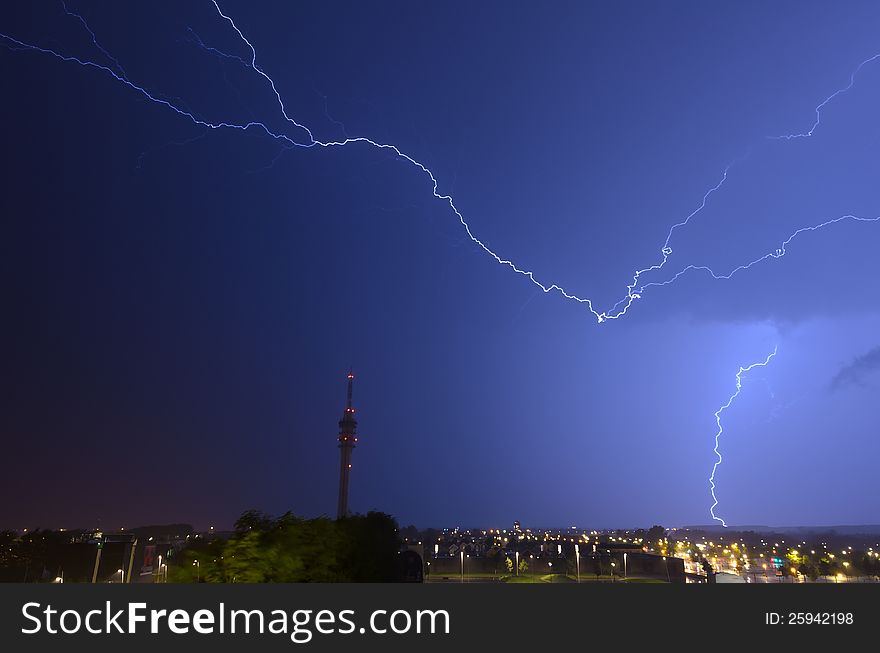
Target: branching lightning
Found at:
306, 139
779, 252
298, 135
93, 37
742, 370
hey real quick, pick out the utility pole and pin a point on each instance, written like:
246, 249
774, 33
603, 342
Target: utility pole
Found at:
131, 558
97, 559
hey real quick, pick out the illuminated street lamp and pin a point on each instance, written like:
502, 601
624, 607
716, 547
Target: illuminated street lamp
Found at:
162, 572
121, 575
198, 567
613, 565
462, 565
577, 560
517, 563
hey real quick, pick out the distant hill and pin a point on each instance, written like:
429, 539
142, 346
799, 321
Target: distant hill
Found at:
864, 529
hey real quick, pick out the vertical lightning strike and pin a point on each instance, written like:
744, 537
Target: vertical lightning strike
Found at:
742, 370
306, 139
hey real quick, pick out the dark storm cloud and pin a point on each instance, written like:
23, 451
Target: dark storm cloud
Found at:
855, 372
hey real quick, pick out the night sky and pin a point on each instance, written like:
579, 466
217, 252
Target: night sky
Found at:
181, 304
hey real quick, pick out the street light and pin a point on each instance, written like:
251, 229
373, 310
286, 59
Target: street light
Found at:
517, 563
161, 571
198, 567
462, 565
121, 575
624, 565
613, 565
577, 559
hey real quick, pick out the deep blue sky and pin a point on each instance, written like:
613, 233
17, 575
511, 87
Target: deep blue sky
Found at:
180, 305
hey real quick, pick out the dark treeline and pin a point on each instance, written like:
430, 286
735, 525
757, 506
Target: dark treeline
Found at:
263, 549
37, 556
289, 549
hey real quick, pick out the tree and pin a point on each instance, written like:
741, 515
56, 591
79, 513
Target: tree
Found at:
360, 548
255, 520
370, 545
604, 567
868, 565
410, 533
201, 561
809, 570
509, 564
654, 534
496, 555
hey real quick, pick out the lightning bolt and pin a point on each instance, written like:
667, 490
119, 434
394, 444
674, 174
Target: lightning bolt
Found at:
779, 252
306, 139
94, 38
821, 105
742, 370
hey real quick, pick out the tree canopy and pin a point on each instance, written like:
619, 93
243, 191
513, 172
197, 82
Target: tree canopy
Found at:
289, 549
